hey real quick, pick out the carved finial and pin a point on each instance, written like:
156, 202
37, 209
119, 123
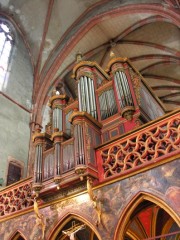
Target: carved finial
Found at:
79, 57
112, 54
58, 90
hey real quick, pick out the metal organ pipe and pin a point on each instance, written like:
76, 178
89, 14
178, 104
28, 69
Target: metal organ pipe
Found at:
129, 97
79, 149
107, 104
86, 95
83, 95
38, 164
57, 118
123, 84
79, 96
94, 99
123, 90
38, 156
91, 99
128, 89
79, 145
57, 158
110, 100
118, 89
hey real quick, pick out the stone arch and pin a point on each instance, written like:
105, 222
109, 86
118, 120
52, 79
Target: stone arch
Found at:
133, 204
67, 218
17, 235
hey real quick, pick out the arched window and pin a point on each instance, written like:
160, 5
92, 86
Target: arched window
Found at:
6, 43
148, 217
74, 229
15, 170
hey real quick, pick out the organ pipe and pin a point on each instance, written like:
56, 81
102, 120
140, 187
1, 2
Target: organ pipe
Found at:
79, 97
91, 98
57, 118
86, 95
38, 164
123, 89
80, 157
57, 152
107, 104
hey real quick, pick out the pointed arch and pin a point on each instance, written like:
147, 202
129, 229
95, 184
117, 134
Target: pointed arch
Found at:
16, 236
67, 218
133, 204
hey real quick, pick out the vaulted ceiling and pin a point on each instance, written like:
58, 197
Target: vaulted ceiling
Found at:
146, 31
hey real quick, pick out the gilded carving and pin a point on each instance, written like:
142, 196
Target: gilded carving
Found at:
136, 80
96, 204
40, 219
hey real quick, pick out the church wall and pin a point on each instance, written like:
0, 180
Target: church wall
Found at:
19, 81
160, 182
14, 137
16, 103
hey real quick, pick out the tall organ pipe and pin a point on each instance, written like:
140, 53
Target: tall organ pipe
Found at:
121, 85
79, 96
57, 118
123, 90
91, 99
129, 97
86, 95
118, 89
38, 164
57, 159
94, 99
79, 145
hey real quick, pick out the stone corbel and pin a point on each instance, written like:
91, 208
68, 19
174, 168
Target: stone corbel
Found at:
96, 203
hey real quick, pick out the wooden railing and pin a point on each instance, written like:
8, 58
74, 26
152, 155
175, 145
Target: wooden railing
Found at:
147, 146
16, 198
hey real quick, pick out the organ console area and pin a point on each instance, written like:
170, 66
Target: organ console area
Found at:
110, 102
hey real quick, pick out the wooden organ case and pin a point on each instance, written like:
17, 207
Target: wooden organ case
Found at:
108, 105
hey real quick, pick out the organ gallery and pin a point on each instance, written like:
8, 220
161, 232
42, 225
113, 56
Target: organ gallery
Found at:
90, 128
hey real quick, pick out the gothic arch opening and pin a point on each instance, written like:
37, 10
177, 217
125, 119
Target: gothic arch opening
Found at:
17, 236
74, 228
148, 218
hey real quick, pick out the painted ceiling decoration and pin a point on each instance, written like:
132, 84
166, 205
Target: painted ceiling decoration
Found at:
147, 32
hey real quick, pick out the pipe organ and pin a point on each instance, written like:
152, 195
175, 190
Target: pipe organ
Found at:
107, 105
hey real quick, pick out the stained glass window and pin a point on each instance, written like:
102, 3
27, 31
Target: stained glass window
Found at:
6, 43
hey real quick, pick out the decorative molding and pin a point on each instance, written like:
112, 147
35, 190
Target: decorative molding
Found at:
89, 64
64, 193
